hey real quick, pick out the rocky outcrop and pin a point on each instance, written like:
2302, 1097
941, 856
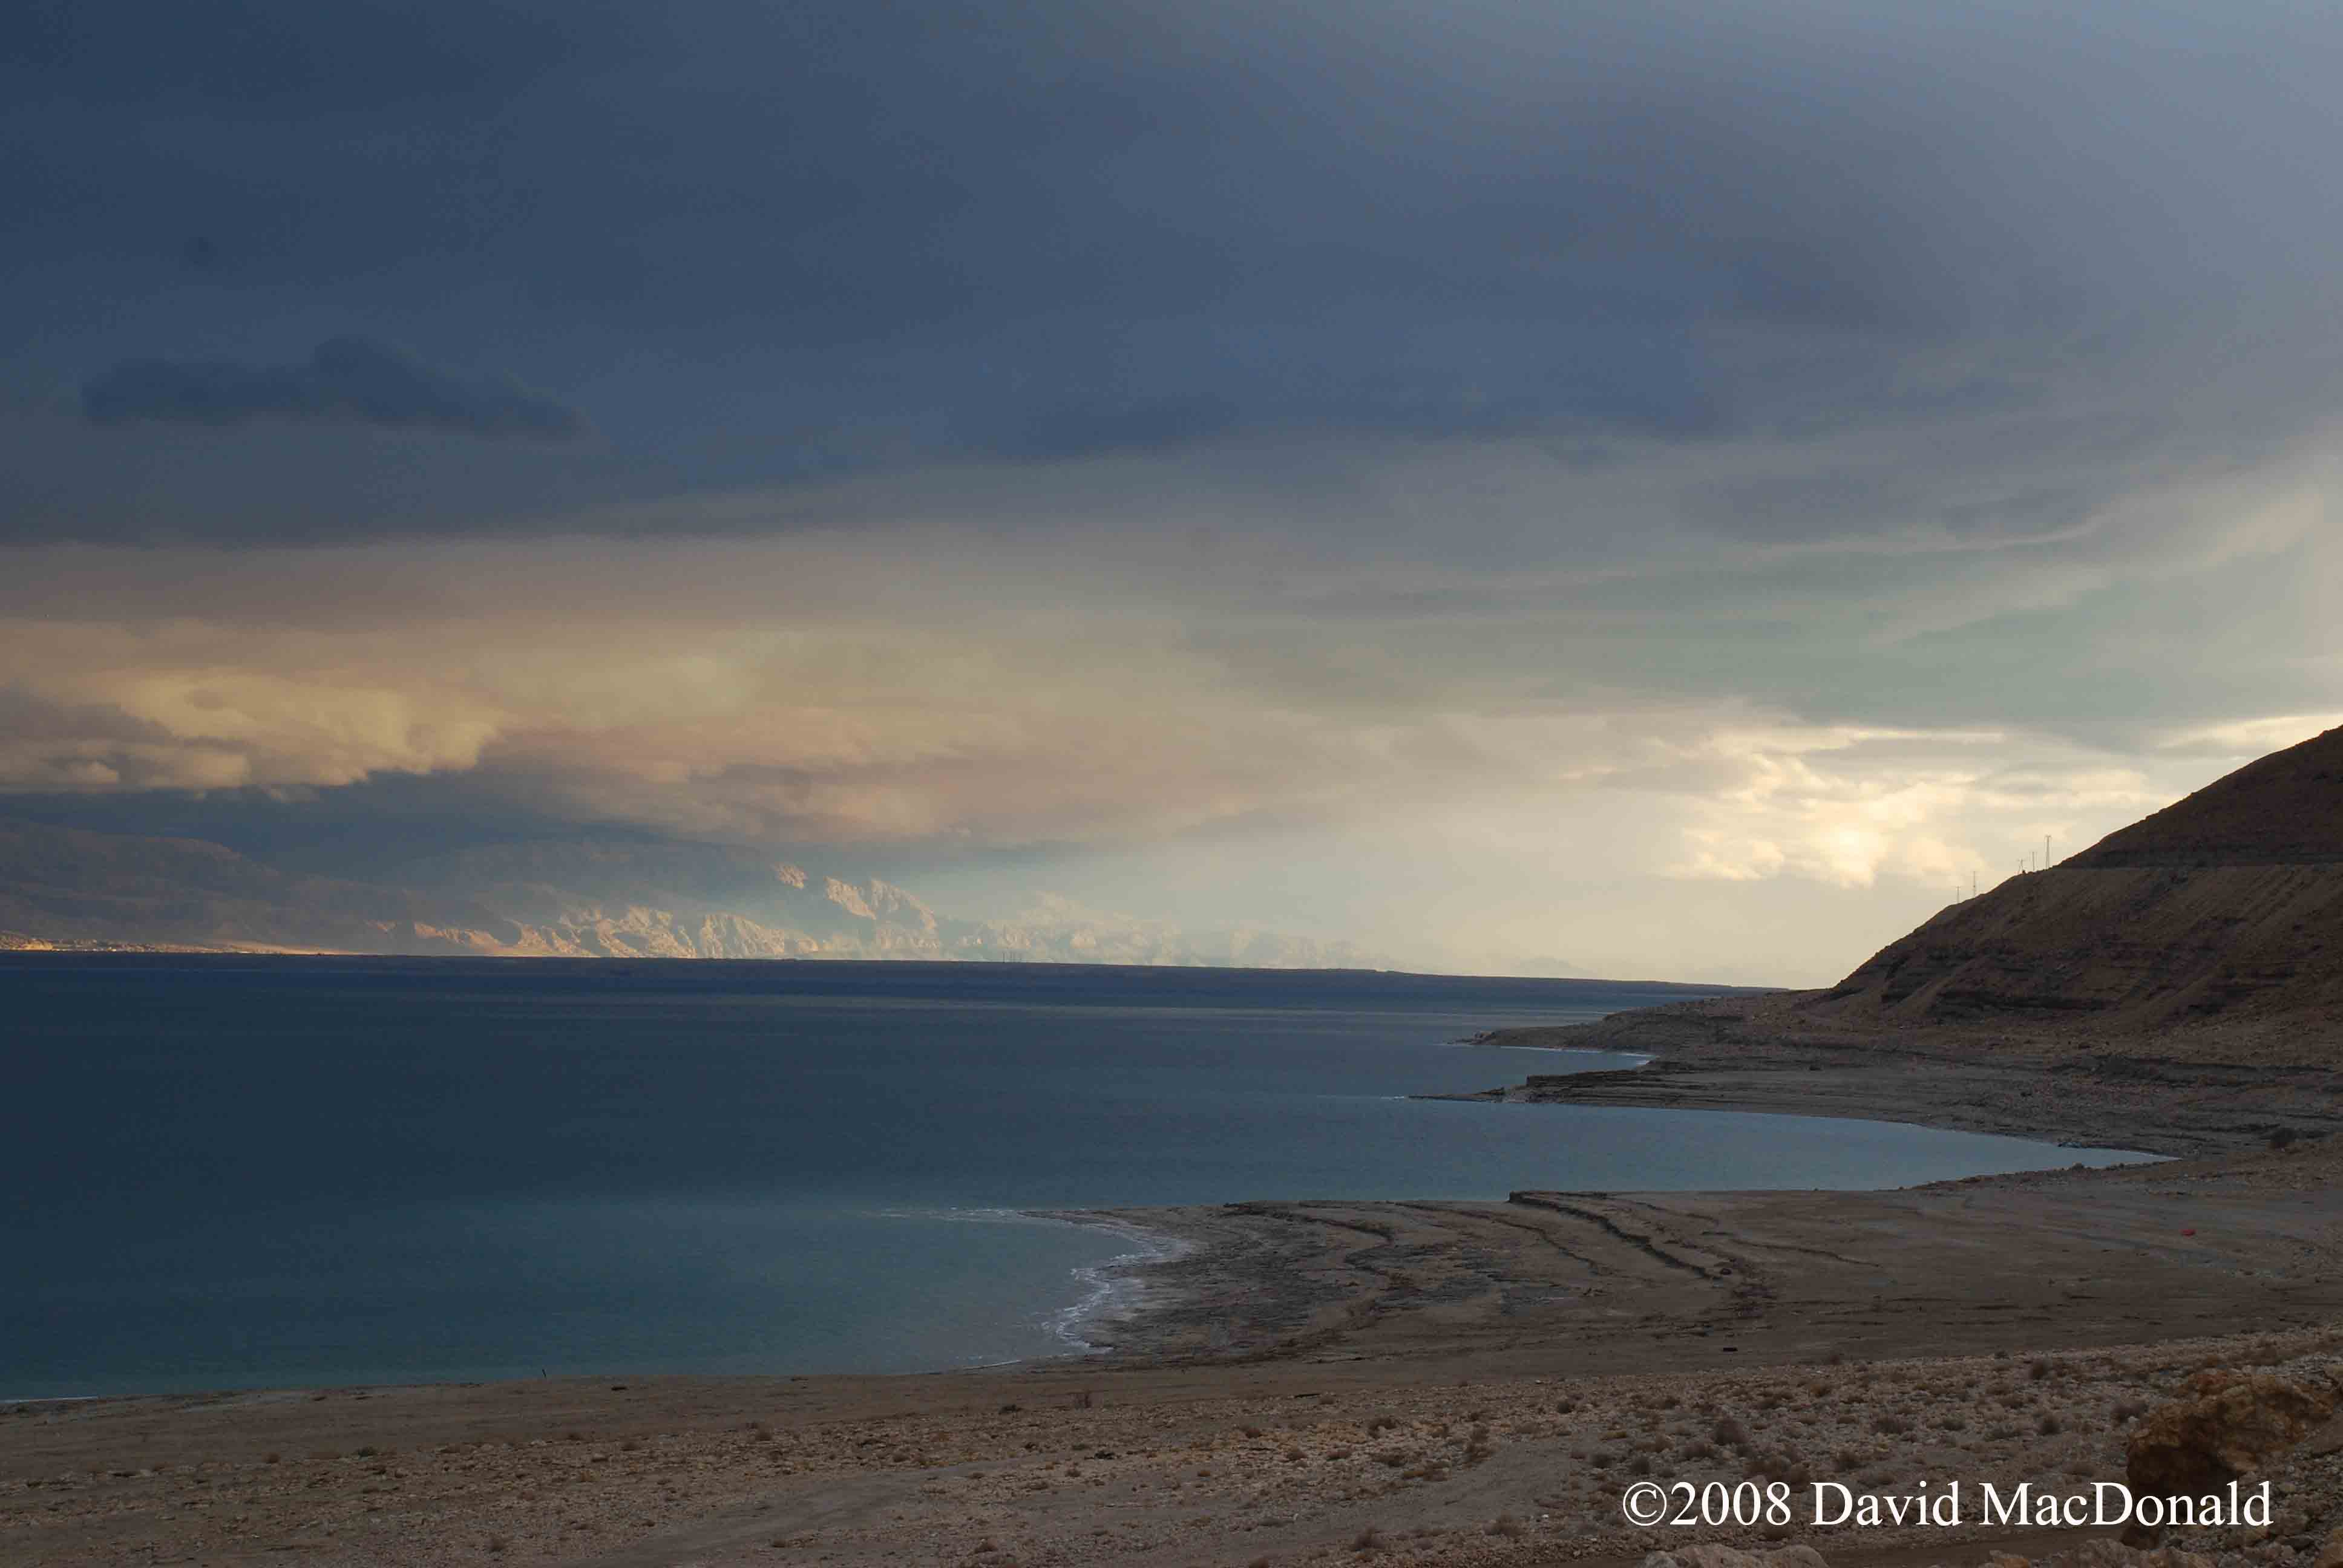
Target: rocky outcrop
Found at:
2227, 1424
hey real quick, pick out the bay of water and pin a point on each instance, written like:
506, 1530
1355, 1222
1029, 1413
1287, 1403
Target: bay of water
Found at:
248, 1173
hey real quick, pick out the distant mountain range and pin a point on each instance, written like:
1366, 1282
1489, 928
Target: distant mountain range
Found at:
62, 887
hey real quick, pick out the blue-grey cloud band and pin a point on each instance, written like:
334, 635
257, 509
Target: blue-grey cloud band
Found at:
347, 380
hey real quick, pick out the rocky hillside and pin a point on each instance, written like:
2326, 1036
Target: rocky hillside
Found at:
64, 886
2214, 926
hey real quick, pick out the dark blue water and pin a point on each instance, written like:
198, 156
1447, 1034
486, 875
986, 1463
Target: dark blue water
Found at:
248, 1173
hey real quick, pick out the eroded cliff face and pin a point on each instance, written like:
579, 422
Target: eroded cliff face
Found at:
2215, 925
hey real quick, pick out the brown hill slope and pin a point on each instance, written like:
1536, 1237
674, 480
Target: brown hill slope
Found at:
2284, 808
2212, 929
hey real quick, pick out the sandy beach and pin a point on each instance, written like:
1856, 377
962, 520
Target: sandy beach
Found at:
1320, 1382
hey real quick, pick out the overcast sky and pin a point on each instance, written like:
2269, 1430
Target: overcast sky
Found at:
1638, 489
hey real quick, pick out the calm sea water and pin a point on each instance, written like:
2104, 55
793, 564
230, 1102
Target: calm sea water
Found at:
252, 1172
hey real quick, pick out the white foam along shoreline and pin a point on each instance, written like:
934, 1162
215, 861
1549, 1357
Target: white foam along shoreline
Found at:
1111, 1290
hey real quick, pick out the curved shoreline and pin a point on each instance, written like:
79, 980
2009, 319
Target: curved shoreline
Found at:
1116, 1288
1327, 1369
2047, 1085
1296, 1279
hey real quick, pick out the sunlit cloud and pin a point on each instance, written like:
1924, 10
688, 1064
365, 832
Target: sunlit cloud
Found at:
1613, 495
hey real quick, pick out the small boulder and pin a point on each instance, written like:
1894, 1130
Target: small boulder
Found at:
2226, 1426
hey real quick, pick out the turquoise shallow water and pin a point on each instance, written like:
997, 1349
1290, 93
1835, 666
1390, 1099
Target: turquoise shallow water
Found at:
256, 1172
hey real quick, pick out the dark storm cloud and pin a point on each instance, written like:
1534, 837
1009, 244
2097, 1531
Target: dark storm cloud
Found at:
788, 242
346, 380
